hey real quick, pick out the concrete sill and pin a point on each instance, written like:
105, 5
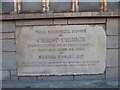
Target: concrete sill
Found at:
59, 15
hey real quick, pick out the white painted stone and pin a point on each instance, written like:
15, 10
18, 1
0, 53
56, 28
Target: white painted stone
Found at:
103, 26
61, 50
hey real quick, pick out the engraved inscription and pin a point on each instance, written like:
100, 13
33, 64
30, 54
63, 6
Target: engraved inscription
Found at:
61, 50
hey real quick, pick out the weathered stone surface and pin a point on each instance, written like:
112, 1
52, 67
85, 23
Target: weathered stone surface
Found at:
5, 75
112, 73
58, 85
60, 21
8, 45
14, 75
0, 77
7, 35
86, 20
34, 22
112, 41
1, 49
112, 26
9, 60
61, 50
103, 26
89, 77
0, 59
60, 15
55, 78
112, 57
27, 78
8, 26
0, 26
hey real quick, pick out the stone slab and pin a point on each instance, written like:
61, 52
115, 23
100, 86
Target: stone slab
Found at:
8, 45
5, 75
112, 41
55, 78
112, 58
9, 60
7, 35
86, 20
56, 85
112, 26
60, 15
60, 21
61, 50
14, 75
90, 77
27, 78
8, 26
112, 73
34, 22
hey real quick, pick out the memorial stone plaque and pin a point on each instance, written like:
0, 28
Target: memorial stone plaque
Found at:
60, 50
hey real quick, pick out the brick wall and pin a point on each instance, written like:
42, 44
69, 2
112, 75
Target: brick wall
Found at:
9, 62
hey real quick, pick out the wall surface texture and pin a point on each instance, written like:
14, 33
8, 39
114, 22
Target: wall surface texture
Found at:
9, 62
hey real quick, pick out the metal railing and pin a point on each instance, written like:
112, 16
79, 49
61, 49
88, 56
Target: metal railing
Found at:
75, 7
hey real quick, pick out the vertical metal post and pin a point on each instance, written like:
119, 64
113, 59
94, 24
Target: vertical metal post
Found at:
77, 5
73, 5
47, 5
15, 6
43, 6
103, 5
19, 6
